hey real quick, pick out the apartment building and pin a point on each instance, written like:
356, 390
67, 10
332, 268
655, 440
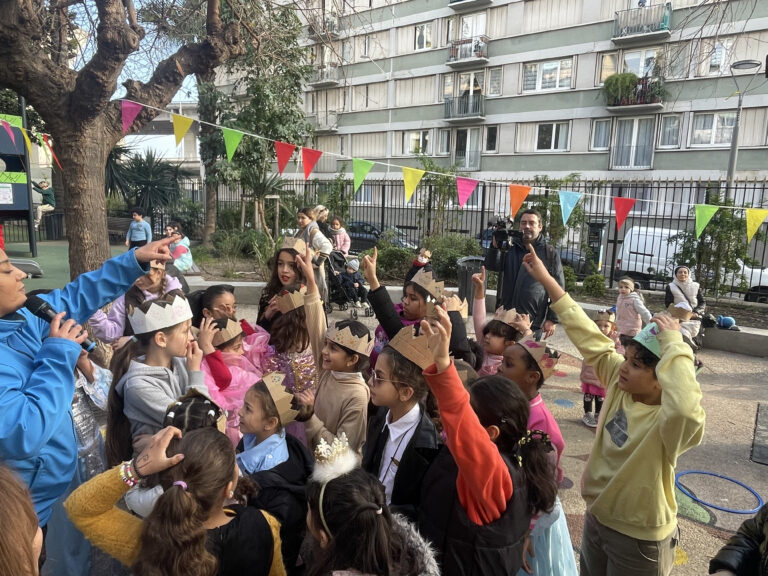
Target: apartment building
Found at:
509, 89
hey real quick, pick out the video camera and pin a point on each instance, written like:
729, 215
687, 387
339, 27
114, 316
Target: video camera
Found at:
505, 233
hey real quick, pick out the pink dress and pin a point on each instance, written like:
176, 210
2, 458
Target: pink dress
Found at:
541, 418
590, 383
491, 362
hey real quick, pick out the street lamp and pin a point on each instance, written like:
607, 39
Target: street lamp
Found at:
741, 65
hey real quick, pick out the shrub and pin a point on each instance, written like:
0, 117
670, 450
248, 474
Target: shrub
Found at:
594, 285
393, 262
446, 250
570, 279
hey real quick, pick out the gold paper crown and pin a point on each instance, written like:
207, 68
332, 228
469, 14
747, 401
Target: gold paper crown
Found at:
413, 347
291, 300
505, 316
545, 360
229, 331
427, 282
282, 399
425, 253
453, 304
605, 316
296, 244
334, 460
162, 313
363, 345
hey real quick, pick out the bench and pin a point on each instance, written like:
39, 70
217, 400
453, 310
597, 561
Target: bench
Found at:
117, 228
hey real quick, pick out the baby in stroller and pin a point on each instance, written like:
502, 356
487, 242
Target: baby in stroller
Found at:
346, 284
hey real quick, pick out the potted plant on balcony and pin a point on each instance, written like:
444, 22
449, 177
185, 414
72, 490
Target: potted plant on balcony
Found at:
619, 89
478, 47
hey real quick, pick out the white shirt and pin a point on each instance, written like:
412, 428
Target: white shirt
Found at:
400, 433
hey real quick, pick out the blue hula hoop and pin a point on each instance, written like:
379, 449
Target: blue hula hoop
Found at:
715, 506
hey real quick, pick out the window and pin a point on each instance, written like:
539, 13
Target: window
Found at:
366, 47
364, 194
553, 75
342, 147
634, 143
609, 65
444, 141
447, 86
713, 128
669, 131
491, 138
719, 58
422, 38
416, 142
552, 136
640, 62
346, 51
494, 82
450, 24
601, 134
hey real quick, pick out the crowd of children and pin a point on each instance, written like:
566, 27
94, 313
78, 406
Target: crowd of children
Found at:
291, 446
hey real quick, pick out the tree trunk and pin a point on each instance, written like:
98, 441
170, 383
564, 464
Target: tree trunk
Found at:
83, 156
262, 217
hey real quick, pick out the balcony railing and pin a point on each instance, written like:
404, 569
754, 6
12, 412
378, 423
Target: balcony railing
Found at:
627, 157
326, 122
469, 107
642, 24
468, 160
646, 95
327, 75
326, 25
468, 51
462, 5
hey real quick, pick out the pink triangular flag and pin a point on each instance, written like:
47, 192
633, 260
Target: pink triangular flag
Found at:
283, 152
622, 206
129, 112
47, 143
309, 158
10, 131
465, 187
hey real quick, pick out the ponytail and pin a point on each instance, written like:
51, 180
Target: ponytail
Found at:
119, 442
537, 466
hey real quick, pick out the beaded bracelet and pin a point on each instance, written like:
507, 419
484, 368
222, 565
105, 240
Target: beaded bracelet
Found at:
135, 469
127, 475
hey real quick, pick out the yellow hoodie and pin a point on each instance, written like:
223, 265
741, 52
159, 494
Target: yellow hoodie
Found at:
629, 481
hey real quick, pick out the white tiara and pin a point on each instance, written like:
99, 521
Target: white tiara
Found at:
161, 314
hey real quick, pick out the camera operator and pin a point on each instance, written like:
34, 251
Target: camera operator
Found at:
518, 289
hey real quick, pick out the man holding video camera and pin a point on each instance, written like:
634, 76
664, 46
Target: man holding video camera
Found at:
517, 288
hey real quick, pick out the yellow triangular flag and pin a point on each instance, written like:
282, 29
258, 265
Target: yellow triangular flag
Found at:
755, 217
411, 177
181, 126
26, 139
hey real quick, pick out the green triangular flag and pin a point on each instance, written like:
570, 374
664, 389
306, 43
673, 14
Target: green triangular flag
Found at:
231, 141
704, 213
360, 168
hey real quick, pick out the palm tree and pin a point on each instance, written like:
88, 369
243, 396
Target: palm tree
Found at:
116, 182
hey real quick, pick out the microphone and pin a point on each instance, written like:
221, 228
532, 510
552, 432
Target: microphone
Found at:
42, 309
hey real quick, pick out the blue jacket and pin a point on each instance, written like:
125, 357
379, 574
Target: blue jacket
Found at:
37, 383
139, 231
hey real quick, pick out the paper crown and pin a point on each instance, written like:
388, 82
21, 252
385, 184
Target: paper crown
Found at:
161, 314
413, 347
546, 360
680, 311
282, 399
505, 316
288, 300
228, 330
605, 316
334, 460
425, 253
363, 345
453, 304
648, 338
296, 244
427, 282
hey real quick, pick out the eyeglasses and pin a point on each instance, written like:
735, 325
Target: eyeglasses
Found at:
376, 381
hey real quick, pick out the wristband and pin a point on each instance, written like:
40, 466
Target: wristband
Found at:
135, 469
127, 475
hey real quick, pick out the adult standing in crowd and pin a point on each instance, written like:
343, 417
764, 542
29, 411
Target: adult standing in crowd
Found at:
683, 290
310, 232
519, 290
37, 437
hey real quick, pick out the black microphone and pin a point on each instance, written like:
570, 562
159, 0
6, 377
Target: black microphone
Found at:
42, 309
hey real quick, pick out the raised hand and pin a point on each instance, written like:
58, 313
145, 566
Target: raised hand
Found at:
369, 269
666, 322
153, 458
304, 265
208, 329
439, 338
158, 250
534, 265
479, 281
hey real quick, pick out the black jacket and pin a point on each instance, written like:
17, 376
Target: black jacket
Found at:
519, 290
282, 493
745, 552
417, 457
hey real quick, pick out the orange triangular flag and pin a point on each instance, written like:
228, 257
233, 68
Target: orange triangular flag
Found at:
283, 152
517, 195
309, 158
622, 206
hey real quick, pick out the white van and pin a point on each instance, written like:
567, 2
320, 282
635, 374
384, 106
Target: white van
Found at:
647, 254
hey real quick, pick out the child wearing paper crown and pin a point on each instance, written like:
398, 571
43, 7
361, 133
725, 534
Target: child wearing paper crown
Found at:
341, 353
352, 282
284, 273
504, 329
421, 262
277, 462
652, 414
631, 313
402, 440
591, 386
480, 492
150, 372
528, 364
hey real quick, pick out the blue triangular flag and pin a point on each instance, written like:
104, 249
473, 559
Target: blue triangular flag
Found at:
568, 201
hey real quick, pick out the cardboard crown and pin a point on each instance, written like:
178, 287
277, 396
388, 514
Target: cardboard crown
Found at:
605, 316
282, 399
413, 347
296, 244
505, 316
427, 282
288, 301
546, 361
162, 313
362, 345
229, 331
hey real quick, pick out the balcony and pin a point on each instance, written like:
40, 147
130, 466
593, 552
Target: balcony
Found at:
643, 95
468, 160
468, 52
469, 108
640, 25
626, 157
325, 122
324, 76
325, 26
464, 5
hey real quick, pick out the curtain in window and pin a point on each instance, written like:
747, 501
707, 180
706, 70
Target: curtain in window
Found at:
602, 133
623, 150
644, 143
702, 128
670, 131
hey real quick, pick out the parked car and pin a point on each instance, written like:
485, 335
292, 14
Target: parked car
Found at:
575, 258
365, 235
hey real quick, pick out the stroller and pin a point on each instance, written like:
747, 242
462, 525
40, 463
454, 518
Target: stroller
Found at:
335, 264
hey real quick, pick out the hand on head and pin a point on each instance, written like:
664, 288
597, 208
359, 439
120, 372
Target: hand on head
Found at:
666, 322
208, 329
157, 250
153, 458
438, 335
